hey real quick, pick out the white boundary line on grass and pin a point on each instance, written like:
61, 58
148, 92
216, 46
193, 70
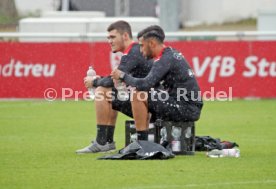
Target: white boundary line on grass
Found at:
202, 185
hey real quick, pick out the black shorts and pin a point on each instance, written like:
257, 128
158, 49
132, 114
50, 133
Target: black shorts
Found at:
119, 105
165, 107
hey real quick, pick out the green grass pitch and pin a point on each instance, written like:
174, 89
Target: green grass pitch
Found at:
38, 142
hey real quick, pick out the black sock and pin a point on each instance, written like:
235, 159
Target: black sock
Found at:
110, 133
142, 135
101, 134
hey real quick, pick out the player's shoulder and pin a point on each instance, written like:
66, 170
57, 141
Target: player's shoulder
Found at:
169, 50
135, 49
166, 54
173, 54
135, 52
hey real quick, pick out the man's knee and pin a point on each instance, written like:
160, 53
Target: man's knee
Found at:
102, 89
140, 96
195, 113
103, 93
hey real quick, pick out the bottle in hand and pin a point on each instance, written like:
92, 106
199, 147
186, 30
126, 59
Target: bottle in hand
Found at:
92, 73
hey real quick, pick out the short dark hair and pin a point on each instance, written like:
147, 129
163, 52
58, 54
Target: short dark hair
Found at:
152, 31
121, 26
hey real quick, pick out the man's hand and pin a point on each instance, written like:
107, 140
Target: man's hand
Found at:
89, 80
115, 74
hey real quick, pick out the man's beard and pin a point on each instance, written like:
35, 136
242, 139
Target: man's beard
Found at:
149, 55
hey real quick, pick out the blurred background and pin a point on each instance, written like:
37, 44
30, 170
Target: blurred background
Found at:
185, 15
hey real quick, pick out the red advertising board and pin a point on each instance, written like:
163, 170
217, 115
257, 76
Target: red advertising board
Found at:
246, 69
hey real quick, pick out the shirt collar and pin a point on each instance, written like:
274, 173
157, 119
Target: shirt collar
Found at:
160, 54
128, 48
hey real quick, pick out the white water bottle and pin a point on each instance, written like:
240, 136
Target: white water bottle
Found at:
92, 73
176, 143
163, 134
234, 152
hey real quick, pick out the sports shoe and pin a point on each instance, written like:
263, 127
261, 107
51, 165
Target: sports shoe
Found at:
95, 147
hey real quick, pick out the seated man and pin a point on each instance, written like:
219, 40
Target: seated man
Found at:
133, 63
176, 95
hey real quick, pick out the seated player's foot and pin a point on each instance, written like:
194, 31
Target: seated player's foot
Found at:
95, 147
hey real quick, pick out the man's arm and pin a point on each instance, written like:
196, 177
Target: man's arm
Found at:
156, 74
104, 82
129, 62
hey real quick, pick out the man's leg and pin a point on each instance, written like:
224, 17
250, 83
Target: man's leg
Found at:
106, 119
106, 116
140, 113
104, 112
